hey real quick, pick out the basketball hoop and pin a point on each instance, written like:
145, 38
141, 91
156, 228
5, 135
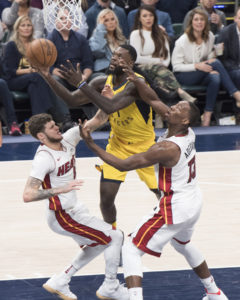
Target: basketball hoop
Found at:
54, 10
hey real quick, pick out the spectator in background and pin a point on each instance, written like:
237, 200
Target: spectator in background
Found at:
20, 76
193, 61
22, 8
106, 38
92, 13
6, 100
86, 4
76, 15
231, 54
36, 3
216, 17
177, 9
153, 55
72, 46
4, 4
163, 18
128, 5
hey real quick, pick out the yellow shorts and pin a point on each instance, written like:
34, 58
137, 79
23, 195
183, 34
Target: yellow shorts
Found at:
121, 150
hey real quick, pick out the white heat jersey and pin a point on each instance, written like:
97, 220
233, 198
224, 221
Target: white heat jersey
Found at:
56, 168
181, 195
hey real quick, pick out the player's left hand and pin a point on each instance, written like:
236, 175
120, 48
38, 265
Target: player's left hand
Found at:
72, 75
85, 132
128, 70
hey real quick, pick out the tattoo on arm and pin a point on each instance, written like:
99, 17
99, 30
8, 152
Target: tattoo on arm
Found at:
37, 194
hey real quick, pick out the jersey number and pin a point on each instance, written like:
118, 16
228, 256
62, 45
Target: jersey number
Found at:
192, 169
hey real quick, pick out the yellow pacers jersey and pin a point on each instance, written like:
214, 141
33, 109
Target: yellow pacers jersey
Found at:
132, 124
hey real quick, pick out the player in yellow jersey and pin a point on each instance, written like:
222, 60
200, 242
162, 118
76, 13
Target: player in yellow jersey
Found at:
130, 119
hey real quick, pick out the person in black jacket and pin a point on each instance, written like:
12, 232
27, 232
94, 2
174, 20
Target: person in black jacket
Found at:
231, 55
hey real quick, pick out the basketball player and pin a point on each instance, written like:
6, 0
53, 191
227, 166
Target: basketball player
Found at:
179, 208
54, 168
130, 119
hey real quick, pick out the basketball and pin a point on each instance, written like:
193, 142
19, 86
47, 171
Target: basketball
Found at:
41, 53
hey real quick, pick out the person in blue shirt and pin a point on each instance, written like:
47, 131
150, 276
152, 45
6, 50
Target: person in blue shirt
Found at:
163, 18
177, 9
73, 46
92, 13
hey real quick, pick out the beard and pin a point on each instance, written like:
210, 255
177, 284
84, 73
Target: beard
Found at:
117, 71
54, 140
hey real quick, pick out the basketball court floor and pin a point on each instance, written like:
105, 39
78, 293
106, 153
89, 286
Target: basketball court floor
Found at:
30, 252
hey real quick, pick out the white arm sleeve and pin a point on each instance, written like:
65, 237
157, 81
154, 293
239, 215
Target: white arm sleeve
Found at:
43, 164
72, 136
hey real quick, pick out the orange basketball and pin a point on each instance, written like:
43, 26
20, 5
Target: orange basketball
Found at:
41, 53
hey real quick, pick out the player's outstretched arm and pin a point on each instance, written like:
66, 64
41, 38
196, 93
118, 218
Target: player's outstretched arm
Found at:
147, 93
73, 99
94, 93
166, 153
32, 190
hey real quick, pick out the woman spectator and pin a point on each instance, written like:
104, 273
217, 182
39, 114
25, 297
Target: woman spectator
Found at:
153, 53
23, 8
20, 76
194, 62
106, 37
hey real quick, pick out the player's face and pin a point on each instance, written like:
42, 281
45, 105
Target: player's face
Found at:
118, 55
146, 19
25, 29
52, 132
178, 113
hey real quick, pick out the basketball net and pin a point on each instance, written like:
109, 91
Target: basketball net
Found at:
62, 14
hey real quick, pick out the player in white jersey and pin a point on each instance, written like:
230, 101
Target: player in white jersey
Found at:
54, 168
179, 208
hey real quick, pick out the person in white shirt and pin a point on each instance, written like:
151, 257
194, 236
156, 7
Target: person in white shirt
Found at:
194, 62
54, 169
153, 53
173, 220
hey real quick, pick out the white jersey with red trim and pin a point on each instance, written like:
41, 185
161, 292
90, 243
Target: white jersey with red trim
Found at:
181, 194
56, 168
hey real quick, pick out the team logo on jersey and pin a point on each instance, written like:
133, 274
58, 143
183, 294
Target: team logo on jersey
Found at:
65, 168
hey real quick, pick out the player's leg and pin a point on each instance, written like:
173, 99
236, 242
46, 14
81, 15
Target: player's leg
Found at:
148, 176
86, 230
182, 243
108, 192
132, 267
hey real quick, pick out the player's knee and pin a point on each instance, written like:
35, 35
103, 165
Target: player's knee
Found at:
179, 247
117, 237
131, 256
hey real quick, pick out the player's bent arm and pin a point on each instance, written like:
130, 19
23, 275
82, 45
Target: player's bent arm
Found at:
109, 106
166, 153
99, 119
32, 191
150, 97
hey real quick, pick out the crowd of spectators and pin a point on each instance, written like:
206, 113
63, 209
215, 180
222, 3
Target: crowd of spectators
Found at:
103, 26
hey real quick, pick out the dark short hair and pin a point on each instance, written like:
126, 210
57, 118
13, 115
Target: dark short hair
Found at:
37, 123
194, 115
131, 50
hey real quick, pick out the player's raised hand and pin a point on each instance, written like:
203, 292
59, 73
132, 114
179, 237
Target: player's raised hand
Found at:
128, 70
85, 132
107, 91
72, 75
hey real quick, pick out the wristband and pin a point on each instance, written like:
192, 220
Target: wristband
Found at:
77, 85
81, 84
